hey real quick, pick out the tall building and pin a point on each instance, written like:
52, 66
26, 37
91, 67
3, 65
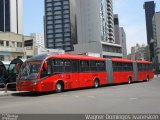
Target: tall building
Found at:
139, 52
38, 40
109, 6
149, 12
95, 28
116, 29
81, 26
11, 16
60, 24
122, 37
156, 36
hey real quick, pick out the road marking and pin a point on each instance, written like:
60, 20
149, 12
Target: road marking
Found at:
133, 98
92, 97
76, 96
64, 95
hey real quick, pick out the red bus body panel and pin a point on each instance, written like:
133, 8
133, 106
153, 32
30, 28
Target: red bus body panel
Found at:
81, 79
71, 80
142, 75
122, 76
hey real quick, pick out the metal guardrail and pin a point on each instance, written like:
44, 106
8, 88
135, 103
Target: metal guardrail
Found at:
5, 86
2, 84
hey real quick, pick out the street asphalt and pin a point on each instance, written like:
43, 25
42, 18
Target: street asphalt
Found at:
141, 97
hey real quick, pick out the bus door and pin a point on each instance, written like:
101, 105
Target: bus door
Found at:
75, 74
85, 75
68, 73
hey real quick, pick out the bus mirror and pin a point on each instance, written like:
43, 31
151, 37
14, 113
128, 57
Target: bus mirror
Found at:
45, 66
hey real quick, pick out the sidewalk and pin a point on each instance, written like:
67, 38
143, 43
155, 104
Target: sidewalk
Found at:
2, 93
155, 76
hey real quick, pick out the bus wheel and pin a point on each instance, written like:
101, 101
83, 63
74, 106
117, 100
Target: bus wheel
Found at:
147, 79
59, 87
129, 80
96, 83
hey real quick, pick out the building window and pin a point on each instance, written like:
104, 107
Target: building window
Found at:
1, 43
13, 44
7, 43
19, 44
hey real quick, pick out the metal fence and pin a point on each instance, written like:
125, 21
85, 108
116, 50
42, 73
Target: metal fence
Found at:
5, 86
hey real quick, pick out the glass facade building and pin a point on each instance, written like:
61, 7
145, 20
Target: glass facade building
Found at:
5, 15
60, 24
11, 16
150, 11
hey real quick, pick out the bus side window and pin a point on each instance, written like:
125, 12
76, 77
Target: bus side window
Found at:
75, 66
49, 63
93, 67
68, 67
84, 66
47, 69
58, 65
101, 66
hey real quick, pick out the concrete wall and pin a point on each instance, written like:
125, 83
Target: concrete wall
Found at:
88, 21
11, 46
94, 47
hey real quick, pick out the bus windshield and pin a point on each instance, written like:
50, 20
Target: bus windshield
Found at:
30, 70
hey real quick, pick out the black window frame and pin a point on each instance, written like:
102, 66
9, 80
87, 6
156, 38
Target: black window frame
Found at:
93, 66
75, 66
84, 66
58, 66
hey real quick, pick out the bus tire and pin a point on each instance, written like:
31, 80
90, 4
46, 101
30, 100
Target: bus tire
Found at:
129, 80
96, 83
59, 87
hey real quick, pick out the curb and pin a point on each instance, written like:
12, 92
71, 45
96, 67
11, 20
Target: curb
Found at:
5, 94
9, 93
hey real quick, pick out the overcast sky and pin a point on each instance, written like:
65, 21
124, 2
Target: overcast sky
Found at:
131, 17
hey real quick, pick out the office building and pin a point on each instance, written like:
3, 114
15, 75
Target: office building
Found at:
38, 40
81, 26
156, 37
11, 16
149, 12
111, 35
60, 24
122, 38
116, 29
95, 29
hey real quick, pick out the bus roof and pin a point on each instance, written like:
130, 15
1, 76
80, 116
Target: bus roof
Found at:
66, 56
142, 61
121, 60
74, 56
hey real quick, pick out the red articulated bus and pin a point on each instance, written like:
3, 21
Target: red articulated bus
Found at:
65, 71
